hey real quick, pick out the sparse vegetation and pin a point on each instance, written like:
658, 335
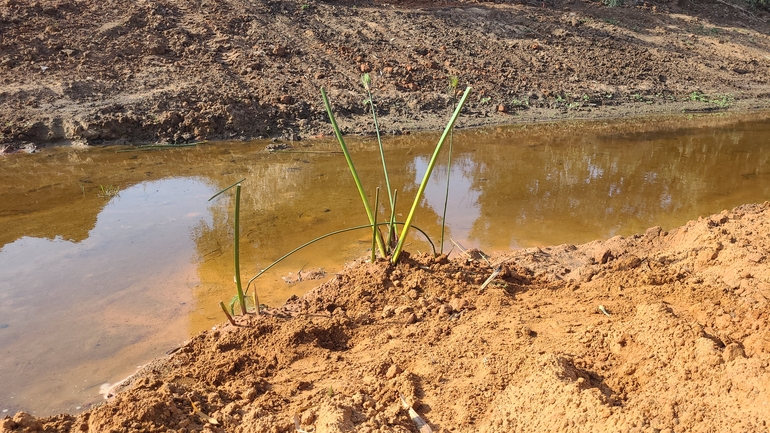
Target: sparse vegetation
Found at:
108, 191
721, 101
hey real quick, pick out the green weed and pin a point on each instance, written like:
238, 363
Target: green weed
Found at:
721, 101
520, 103
108, 191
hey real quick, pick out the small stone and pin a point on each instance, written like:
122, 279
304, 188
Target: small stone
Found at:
733, 351
388, 311
286, 99
393, 371
412, 318
575, 22
365, 67
603, 256
502, 108
308, 417
458, 304
413, 294
404, 309
279, 50
653, 232
444, 310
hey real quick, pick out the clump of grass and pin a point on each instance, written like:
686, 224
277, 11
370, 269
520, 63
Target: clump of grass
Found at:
366, 80
108, 191
377, 241
721, 101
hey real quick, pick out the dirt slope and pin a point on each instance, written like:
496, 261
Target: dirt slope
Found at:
92, 72
684, 346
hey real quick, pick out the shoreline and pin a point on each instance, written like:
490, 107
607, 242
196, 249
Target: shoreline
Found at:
168, 73
692, 299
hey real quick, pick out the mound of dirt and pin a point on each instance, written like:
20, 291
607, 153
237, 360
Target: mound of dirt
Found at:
662, 331
85, 71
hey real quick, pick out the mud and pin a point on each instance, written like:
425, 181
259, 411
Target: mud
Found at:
660, 331
86, 72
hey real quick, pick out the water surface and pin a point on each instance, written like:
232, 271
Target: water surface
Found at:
93, 285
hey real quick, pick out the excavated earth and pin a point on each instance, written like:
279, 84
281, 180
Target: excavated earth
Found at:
656, 332
172, 71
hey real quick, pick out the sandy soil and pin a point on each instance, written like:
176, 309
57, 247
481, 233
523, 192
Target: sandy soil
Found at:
84, 71
683, 343
684, 346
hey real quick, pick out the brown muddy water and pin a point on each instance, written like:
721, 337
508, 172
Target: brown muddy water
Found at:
109, 259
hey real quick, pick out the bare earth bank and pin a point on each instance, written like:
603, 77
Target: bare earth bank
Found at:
684, 346
87, 72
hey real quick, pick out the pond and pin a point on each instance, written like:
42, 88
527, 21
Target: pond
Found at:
110, 257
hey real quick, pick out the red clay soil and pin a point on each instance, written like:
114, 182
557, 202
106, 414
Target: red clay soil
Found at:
116, 71
684, 346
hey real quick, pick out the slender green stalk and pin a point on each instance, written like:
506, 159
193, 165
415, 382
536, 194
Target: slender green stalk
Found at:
236, 247
374, 225
356, 179
225, 189
350, 229
446, 196
453, 82
392, 225
237, 254
367, 81
431, 165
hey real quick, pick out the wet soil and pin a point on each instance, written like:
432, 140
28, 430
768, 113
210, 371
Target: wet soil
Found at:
660, 331
79, 71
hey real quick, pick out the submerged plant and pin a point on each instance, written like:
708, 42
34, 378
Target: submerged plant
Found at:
107, 191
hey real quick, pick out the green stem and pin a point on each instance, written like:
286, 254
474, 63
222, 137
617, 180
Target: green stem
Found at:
225, 189
353, 172
382, 152
392, 225
241, 299
448, 177
431, 164
374, 225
